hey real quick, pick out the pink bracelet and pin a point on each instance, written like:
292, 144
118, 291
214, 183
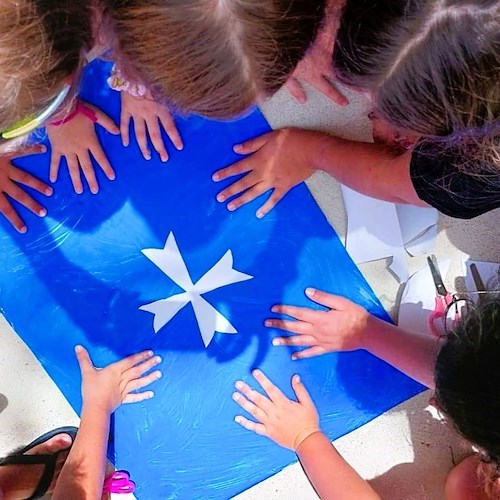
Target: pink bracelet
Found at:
80, 109
119, 482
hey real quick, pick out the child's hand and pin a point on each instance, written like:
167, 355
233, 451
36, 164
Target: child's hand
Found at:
115, 384
280, 162
11, 177
77, 141
284, 421
148, 115
316, 68
341, 329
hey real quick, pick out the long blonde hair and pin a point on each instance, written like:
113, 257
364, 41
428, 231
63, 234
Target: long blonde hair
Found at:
41, 43
213, 57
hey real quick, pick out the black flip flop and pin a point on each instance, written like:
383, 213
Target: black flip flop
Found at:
19, 457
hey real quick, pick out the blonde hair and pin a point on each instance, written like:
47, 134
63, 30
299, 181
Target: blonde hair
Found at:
41, 42
213, 57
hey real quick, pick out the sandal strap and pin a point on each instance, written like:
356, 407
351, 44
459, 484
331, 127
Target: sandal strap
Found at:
49, 463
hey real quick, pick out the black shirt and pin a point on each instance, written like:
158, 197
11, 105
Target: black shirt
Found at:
439, 182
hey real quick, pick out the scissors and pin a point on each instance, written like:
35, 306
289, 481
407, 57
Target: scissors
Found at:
119, 482
443, 298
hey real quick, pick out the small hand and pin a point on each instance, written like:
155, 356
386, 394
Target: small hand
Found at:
77, 141
115, 384
288, 423
148, 115
280, 162
316, 68
11, 177
342, 328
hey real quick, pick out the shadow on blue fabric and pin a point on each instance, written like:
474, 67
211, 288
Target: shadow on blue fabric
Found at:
79, 276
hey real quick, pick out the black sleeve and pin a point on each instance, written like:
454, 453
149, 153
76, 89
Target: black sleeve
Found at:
439, 182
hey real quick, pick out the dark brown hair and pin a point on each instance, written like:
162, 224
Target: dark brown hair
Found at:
433, 67
213, 57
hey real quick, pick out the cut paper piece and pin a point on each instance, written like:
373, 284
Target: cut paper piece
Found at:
419, 298
418, 228
373, 232
210, 321
78, 277
488, 271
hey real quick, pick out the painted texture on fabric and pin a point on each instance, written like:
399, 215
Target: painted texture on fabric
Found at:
80, 276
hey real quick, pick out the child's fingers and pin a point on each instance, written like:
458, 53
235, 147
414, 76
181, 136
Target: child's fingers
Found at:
298, 313
301, 392
327, 299
125, 128
271, 390
248, 196
297, 327
134, 359
138, 397
249, 407
251, 426
309, 353
168, 124
238, 187
252, 145
254, 396
11, 215
32, 149
235, 169
83, 359
22, 177
14, 191
88, 171
104, 120
295, 340
143, 367
139, 383
102, 160
55, 162
141, 137
326, 87
273, 200
74, 172
156, 138
295, 88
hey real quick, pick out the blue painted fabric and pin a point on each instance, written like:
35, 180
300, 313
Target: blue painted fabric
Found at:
79, 276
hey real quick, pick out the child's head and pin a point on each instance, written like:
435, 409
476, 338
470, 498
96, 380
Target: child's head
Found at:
213, 57
432, 67
467, 378
41, 44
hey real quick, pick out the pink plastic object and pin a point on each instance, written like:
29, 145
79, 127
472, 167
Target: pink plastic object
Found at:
119, 482
80, 109
439, 313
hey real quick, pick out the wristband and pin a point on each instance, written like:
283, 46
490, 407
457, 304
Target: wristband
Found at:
119, 83
80, 109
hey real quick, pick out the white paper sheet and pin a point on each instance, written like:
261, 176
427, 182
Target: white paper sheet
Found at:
418, 228
489, 272
373, 231
418, 299
210, 321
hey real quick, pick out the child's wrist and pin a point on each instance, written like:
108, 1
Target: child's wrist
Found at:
117, 81
303, 435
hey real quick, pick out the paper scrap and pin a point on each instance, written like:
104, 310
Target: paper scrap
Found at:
210, 321
489, 272
418, 228
373, 231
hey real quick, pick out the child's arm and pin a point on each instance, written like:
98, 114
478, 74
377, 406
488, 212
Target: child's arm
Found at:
349, 327
11, 179
76, 140
295, 425
103, 391
282, 159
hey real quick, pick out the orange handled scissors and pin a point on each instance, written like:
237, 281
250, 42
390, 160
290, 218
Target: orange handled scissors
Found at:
443, 299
